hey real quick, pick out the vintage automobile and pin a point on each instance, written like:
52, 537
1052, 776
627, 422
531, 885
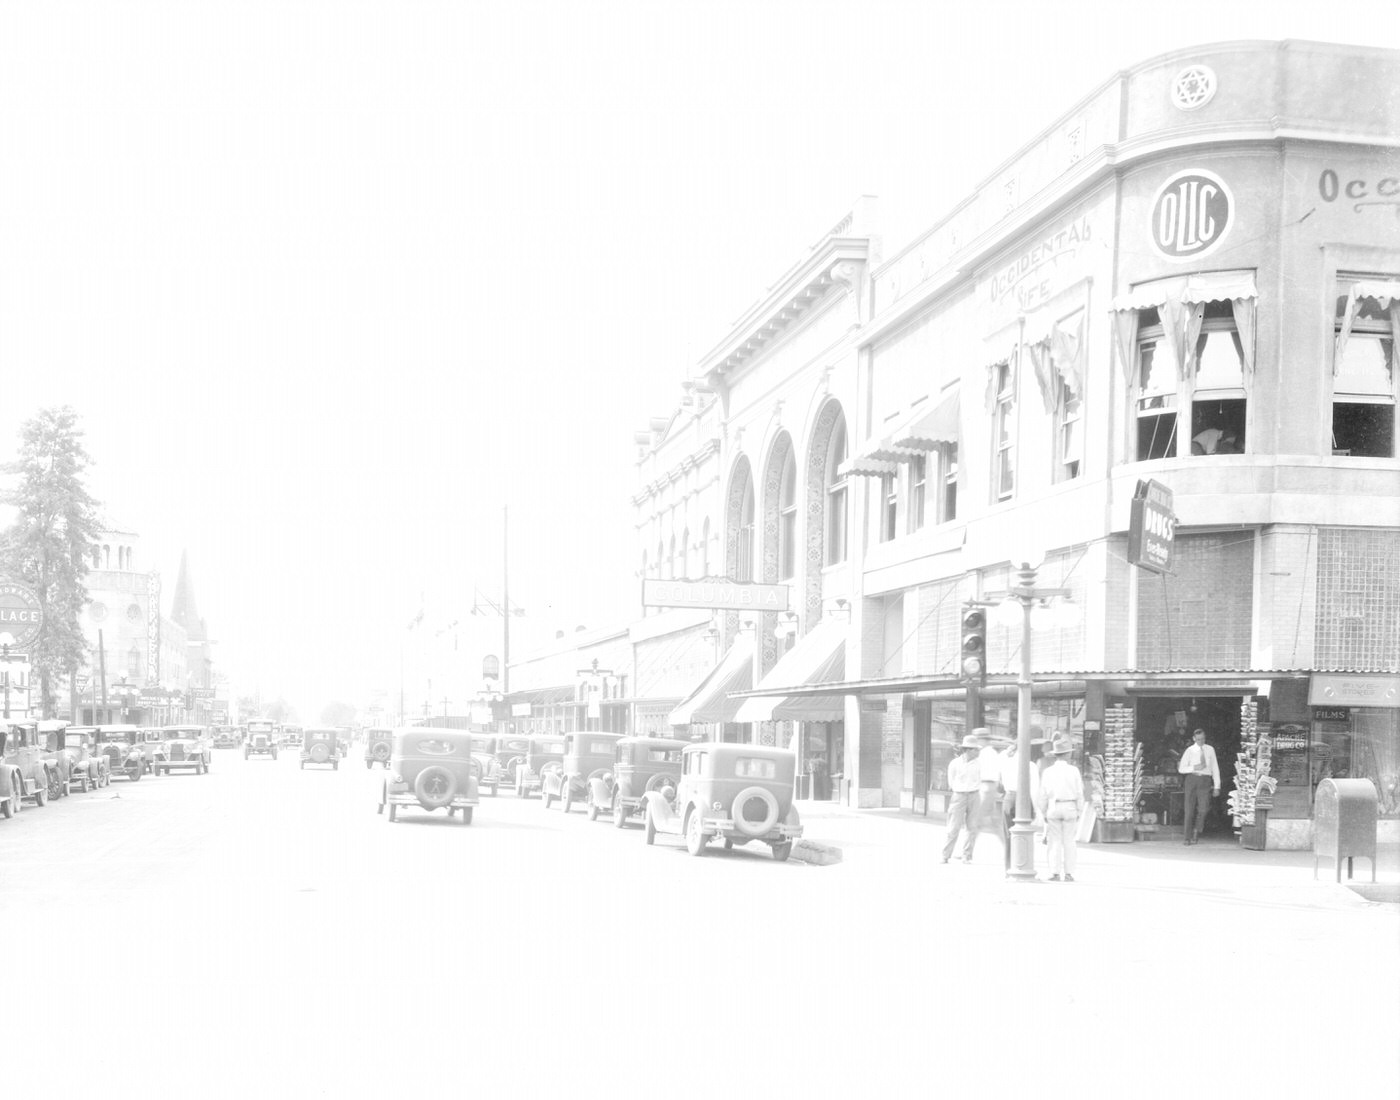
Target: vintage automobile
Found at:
742, 793
320, 745
488, 767
121, 746
186, 747
378, 741
432, 769
643, 764
289, 735
510, 754
81, 743
225, 737
151, 741
71, 763
24, 754
261, 739
11, 790
586, 757
546, 751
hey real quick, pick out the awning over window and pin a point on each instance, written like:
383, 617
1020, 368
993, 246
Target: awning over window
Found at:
860, 466
545, 696
818, 657
710, 701
1386, 294
1213, 286
916, 435
1182, 303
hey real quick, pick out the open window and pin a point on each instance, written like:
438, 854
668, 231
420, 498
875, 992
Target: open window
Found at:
1366, 326
1004, 432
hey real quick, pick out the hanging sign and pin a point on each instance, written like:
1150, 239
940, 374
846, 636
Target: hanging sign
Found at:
1151, 527
20, 614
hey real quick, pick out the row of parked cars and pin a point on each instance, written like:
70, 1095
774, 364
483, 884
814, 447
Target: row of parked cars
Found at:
702, 791
49, 758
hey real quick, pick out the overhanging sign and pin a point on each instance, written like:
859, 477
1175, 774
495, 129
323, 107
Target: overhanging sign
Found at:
724, 595
20, 613
1152, 527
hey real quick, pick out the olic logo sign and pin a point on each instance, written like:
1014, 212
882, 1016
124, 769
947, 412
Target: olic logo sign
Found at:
1191, 214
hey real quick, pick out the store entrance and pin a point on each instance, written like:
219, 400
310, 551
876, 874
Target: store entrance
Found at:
1164, 727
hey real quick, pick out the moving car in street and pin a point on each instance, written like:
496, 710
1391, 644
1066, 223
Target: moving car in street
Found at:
378, 741
261, 739
586, 757
320, 745
289, 735
510, 754
546, 751
225, 737
488, 772
29, 776
432, 769
119, 744
642, 764
739, 792
186, 747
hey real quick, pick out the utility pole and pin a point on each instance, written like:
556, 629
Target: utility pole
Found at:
505, 598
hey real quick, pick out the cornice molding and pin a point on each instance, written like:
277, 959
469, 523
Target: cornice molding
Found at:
663, 481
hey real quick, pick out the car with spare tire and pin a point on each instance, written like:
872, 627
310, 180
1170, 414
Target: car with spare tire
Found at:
641, 764
587, 756
740, 793
431, 769
320, 745
378, 742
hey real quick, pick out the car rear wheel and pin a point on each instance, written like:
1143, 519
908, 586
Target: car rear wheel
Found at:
695, 838
435, 787
393, 812
41, 796
743, 804
566, 796
592, 809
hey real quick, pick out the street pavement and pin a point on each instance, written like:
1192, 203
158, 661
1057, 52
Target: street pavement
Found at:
260, 930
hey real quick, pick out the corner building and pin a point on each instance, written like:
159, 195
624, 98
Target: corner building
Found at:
1192, 278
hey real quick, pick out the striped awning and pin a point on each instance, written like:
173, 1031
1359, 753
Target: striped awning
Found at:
818, 657
710, 701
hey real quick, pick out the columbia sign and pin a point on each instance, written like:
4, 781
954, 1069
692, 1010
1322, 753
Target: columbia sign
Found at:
725, 595
20, 614
1191, 215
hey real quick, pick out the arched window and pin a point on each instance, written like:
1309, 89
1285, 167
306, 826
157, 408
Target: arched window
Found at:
685, 553
661, 560
644, 564
787, 519
705, 548
836, 456
671, 560
106, 557
744, 566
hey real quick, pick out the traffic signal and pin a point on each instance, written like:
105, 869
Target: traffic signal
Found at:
973, 668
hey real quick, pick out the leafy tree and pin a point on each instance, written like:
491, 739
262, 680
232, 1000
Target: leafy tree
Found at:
49, 546
338, 714
279, 710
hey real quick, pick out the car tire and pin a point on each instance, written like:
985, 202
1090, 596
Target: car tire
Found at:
467, 815
41, 795
8, 809
755, 828
55, 785
650, 828
660, 780
592, 809
782, 850
566, 796
695, 838
369, 764
393, 812
619, 813
435, 787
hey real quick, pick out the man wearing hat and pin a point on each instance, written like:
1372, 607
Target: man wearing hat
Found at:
965, 781
1061, 803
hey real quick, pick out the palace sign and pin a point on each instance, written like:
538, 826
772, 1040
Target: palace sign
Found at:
724, 595
1151, 527
20, 613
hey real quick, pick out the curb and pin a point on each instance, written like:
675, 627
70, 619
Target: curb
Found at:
816, 853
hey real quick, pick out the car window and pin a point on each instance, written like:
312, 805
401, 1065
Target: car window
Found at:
753, 767
600, 746
51, 742
552, 746
695, 763
433, 746
663, 756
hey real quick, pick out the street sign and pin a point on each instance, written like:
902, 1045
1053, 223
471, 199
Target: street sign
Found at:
726, 595
20, 613
1151, 527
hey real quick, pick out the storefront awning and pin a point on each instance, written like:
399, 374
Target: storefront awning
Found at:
913, 437
1214, 286
545, 697
710, 701
818, 657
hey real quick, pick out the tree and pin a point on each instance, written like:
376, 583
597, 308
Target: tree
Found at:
49, 546
338, 714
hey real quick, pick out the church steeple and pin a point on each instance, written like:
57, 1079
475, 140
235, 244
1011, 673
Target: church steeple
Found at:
183, 610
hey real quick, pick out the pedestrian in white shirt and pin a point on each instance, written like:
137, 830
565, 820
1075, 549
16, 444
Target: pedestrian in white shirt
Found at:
965, 781
1061, 803
1202, 772
1010, 783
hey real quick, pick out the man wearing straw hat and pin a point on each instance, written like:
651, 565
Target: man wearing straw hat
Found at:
965, 781
1061, 803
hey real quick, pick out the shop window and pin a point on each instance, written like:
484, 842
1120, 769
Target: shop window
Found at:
787, 519
918, 479
836, 485
1367, 317
1004, 432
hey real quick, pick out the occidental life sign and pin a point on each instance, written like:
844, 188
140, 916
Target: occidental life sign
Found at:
1192, 214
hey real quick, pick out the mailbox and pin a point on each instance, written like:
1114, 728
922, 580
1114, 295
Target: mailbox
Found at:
1344, 823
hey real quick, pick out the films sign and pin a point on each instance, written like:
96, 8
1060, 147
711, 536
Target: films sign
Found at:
1151, 527
1191, 215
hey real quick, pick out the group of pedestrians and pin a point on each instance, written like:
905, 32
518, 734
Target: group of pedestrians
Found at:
984, 785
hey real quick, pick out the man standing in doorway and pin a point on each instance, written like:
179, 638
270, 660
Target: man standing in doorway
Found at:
965, 783
1202, 772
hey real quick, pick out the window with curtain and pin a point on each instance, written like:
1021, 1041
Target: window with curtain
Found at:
918, 489
787, 519
1004, 432
1217, 383
836, 455
1365, 326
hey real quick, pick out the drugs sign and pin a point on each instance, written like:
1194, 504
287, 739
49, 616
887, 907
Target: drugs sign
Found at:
1152, 527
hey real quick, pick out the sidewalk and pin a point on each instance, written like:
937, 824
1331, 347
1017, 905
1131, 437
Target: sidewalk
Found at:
1213, 864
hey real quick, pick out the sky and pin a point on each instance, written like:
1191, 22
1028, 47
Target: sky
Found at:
333, 286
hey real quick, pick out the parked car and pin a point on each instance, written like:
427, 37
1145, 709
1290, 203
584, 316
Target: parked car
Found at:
81, 741
742, 793
510, 754
642, 764
25, 756
11, 790
71, 762
546, 751
261, 739
488, 767
586, 756
432, 769
320, 745
186, 747
151, 741
378, 742
120, 745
